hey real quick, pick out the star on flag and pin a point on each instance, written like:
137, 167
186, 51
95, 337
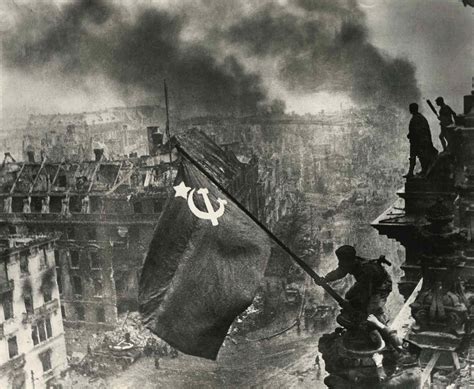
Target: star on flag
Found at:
181, 190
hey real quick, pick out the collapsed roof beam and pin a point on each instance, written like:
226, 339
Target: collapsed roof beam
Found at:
17, 178
94, 173
55, 177
118, 174
43, 163
125, 178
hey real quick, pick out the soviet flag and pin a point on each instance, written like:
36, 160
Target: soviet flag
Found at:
203, 267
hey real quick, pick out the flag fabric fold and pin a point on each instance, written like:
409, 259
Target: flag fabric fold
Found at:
200, 271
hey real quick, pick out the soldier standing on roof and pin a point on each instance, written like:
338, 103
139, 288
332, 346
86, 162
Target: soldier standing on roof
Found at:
421, 145
373, 284
446, 118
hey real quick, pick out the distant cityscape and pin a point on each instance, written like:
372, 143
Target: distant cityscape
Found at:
81, 195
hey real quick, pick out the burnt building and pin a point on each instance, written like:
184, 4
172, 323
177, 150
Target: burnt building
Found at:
73, 137
106, 212
320, 154
32, 342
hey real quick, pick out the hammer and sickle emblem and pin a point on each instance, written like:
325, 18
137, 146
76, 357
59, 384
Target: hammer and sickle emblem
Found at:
211, 214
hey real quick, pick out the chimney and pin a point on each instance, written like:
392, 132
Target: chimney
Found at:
31, 156
98, 154
155, 140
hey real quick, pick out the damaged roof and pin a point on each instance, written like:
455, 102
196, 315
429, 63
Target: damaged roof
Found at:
127, 176
92, 177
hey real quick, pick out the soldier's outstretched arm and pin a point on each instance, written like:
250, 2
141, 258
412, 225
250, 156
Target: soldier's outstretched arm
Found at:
334, 275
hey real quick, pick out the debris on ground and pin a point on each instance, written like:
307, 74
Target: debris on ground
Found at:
116, 350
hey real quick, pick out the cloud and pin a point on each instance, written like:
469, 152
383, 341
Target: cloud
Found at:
136, 52
326, 48
218, 57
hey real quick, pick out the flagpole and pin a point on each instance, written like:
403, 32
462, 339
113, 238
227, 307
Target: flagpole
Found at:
317, 279
167, 118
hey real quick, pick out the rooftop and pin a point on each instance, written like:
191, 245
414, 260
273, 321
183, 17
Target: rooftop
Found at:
87, 177
111, 115
130, 175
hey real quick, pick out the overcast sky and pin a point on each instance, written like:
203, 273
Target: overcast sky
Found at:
436, 35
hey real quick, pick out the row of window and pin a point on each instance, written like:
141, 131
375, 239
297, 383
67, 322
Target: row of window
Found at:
74, 260
76, 205
28, 299
81, 313
7, 302
77, 287
40, 332
75, 263
45, 357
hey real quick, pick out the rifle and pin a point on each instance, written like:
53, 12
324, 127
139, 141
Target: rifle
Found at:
432, 108
383, 261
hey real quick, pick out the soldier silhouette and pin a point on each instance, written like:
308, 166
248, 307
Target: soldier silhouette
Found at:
373, 284
421, 145
446, 117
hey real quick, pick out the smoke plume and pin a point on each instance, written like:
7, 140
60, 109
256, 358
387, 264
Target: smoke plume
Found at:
214, 56
136, 52
323, 45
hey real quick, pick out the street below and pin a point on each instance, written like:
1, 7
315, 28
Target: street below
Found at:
284, 361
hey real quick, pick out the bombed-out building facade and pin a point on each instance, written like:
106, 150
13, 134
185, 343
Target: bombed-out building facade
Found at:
105, 215
73, 137
32, 341
302, 149
104, 212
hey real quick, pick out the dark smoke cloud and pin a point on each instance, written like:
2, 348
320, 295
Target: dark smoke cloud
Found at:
318, 45
326, 53
90, 37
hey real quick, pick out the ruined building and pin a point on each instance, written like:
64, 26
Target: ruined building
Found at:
32, 343
73, 137
434, 220
106, 212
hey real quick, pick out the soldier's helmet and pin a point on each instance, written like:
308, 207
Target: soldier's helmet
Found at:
346, 255
413, 108
439, 100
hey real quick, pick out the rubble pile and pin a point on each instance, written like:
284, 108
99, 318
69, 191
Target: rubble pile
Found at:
116, 350
251, 319
132, 325
460, 378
